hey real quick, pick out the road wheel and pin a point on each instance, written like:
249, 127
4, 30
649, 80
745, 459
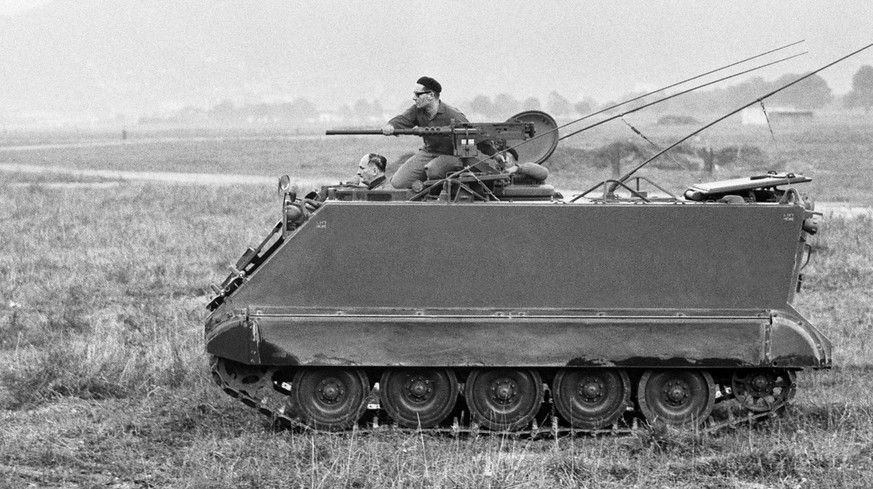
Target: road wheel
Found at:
503, 399
676, 396
591, 398
418, 397
329, 398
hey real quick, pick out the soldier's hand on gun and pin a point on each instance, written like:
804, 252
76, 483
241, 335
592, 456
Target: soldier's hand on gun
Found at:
387, 129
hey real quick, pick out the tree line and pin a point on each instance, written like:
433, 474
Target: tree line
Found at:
812, 93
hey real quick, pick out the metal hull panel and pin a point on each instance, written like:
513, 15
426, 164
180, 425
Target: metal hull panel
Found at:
410, 254
659, 285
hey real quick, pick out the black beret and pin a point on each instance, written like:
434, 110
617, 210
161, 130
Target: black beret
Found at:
430, 84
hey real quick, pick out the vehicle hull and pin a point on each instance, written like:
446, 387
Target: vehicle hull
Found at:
527, 284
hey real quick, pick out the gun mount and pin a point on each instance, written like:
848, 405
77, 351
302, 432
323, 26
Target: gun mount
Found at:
537, 130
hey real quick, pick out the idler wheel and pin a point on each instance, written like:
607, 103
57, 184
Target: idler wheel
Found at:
591, 398
418, 397
503, 399
762, 390
329, 398
676, 397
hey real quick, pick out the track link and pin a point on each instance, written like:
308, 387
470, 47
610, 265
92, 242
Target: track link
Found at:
254, 387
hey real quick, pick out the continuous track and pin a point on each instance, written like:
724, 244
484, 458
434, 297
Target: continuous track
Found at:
254, 387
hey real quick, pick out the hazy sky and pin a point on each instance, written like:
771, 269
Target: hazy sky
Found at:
10, 7
347, 50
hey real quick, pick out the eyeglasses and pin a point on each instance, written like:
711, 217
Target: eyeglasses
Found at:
419, 94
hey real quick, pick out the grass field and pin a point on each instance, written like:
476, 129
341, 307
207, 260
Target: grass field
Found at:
103, 380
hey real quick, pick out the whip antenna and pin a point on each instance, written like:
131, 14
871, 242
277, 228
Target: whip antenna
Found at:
753, 102
634, 99
676, 95
679, 83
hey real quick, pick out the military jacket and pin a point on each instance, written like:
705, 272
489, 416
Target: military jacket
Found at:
446, 115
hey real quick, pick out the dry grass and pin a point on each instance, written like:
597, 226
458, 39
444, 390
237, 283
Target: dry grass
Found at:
200, 438
103, 381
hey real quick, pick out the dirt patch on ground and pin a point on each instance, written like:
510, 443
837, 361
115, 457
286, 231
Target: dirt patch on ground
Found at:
150, 140
117, 176
843, 209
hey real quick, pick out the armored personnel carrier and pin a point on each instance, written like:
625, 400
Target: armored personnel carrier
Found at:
475, 299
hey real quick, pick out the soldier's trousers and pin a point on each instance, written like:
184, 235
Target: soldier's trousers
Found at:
424, 165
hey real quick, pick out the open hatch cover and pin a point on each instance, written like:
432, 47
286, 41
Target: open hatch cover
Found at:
737, 186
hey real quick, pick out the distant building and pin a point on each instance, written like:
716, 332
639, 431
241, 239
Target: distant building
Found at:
755, 116
677, 120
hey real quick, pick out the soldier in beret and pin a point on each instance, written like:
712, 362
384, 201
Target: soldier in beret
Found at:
435, 159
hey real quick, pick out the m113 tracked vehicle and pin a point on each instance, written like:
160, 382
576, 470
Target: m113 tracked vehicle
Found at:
486, 299
484, 295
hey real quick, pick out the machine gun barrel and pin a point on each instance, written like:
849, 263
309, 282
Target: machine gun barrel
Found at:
366, 132
415, 131
468, 138
355, 132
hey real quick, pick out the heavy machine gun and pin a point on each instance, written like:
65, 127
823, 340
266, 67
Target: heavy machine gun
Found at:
468, 138
536, 129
